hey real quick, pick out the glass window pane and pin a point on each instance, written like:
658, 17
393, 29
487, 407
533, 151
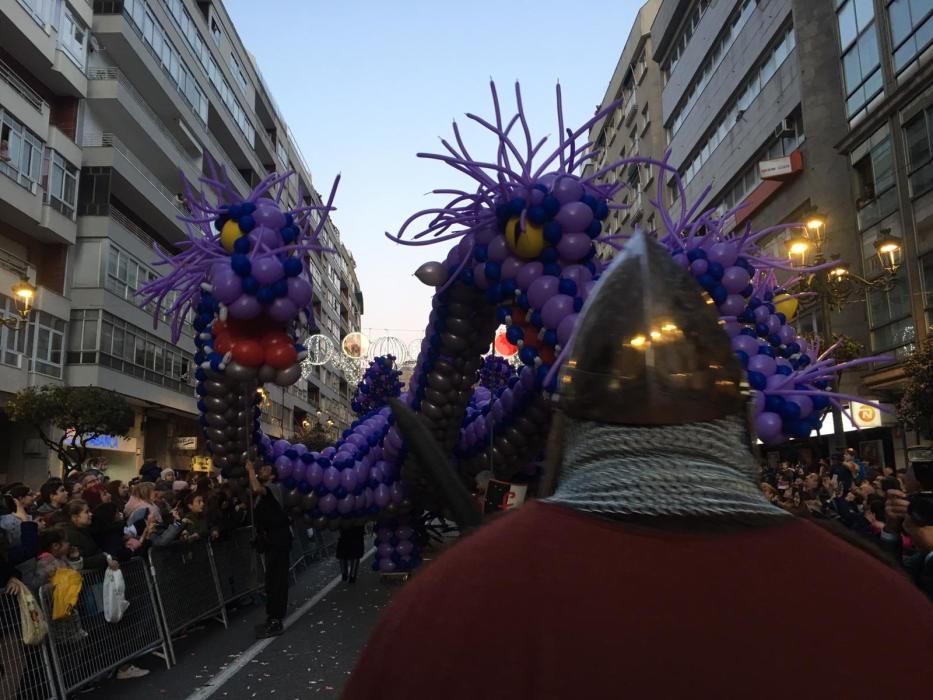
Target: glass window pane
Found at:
847, 26
899, 12
927, 267
90, 335
56, 355
864, 13
878, 309
42, 344
918, 143
853, 73
868, 51
882, 162
118, 343
106, 337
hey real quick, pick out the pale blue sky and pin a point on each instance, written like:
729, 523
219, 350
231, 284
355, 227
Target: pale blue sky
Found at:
365, 84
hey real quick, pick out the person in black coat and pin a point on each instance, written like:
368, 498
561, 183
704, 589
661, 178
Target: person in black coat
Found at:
274, 541
350, 551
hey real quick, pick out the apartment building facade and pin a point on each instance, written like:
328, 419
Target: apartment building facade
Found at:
785, 108
885, 51
106, 106
632, 129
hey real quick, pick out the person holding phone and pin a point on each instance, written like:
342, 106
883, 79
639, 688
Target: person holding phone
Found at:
913, 514
274, 541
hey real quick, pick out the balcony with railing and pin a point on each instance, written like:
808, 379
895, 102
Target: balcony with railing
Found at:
109, 140
19, 86
14, 263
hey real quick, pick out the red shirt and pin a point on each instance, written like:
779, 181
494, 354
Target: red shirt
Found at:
550, 603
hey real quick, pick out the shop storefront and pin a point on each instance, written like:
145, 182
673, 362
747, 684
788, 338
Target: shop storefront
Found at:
875, 435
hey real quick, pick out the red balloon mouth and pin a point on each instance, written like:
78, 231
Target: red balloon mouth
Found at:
256, 342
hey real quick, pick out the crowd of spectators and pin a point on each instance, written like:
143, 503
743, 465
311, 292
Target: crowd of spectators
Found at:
88, 522
872, 503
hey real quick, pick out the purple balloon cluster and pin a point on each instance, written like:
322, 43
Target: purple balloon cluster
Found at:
262, 276
395, 549
351, 480
379, 384
495, 373
789, 379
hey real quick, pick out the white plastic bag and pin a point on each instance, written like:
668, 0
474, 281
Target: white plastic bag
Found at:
115, 603
32, 620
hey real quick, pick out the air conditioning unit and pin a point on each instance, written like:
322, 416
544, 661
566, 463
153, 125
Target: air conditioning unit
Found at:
787, 126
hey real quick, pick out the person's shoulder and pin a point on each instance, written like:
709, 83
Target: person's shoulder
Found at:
838, 556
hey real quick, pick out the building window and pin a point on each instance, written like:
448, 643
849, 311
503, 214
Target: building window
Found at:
20, 151
917, 133
281, 151
12, 342
750, 178
189, 29
911, 29
713, 58
215, 32
127, 349
873, 163
892, 327
238, 73
692, 21
61, 184
926, 270
47, 339
750, 88
39, 9
165, 52
125, 275
861, 62
73, 38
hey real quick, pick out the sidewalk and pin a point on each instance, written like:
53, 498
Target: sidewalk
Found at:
314, 656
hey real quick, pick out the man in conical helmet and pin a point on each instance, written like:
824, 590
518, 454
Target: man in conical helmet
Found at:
656, 569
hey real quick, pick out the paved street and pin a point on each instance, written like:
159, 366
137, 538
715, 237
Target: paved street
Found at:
313, 657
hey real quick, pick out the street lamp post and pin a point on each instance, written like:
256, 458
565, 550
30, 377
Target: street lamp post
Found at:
830, 287
23, 296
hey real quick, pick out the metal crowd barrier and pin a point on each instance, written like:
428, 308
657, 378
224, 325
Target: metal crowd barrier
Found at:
166, 594
174, 569
25, 671
98, 647
238, 565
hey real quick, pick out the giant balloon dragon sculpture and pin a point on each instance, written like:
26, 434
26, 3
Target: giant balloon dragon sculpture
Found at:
525, 256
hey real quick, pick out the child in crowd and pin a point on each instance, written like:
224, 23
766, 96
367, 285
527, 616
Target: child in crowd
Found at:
56, 555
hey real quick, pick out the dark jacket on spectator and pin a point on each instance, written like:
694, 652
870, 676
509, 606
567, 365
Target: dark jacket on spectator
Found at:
94, 557
919, 566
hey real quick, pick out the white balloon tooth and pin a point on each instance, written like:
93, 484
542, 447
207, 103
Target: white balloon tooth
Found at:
223, 312
206, 287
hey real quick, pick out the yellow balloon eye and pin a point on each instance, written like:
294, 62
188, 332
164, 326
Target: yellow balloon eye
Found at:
786, 305
229, 235
525, 244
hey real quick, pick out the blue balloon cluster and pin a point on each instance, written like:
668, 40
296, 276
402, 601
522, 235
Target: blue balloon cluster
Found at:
379, 384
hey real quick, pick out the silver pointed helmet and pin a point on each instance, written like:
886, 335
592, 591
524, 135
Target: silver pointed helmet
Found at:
650, 348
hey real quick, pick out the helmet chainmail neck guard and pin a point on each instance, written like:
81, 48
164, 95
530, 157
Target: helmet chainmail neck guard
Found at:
693, 469
654, 399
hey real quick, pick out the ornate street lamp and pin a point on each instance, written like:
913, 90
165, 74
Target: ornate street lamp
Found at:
889, 250
23, 296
